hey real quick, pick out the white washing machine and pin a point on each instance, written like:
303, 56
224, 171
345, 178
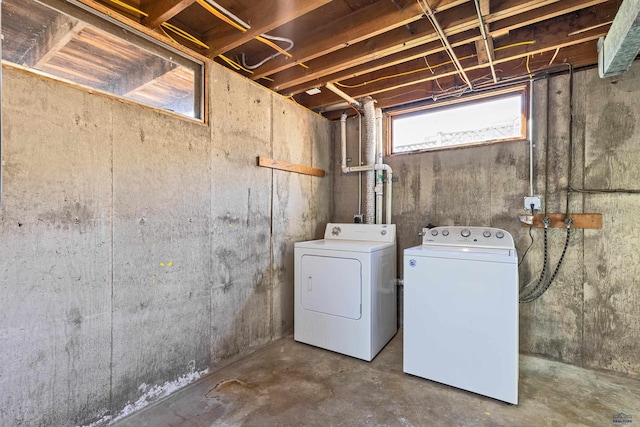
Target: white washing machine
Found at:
461, 310
345, 289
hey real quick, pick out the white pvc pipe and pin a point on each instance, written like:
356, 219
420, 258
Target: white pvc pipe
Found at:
359, 164
378, 189
343, 140
370, 168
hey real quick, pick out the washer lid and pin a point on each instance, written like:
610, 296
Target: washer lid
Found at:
345, 245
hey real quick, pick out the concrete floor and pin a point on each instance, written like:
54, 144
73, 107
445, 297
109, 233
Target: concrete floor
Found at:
288, 383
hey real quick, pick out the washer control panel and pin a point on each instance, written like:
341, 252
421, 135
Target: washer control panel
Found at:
481, 237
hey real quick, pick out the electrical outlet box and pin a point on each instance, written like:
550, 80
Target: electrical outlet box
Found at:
532, 200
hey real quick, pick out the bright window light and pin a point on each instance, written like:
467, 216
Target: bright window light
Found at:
474, 122
69, 46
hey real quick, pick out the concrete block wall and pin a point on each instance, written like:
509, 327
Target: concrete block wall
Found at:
589, 316
139, 251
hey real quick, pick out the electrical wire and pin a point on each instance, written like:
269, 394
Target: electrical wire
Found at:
428, 67
129, 7
183, 34
528, 247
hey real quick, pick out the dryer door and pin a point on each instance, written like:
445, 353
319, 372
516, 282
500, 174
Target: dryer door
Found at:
331, 285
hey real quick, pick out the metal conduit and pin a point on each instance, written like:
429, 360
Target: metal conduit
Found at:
1, 134
486, 42
445, 42
369, 159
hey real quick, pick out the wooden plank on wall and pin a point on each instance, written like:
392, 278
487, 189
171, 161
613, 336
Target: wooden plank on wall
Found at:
290, 167
590, 221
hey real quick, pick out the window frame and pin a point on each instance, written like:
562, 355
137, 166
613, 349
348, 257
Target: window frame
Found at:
522, 90
121, 27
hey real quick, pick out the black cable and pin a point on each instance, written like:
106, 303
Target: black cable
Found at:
570, 160
529, 247
538, 291
603, 190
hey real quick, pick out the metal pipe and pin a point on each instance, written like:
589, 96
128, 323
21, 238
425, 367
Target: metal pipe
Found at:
445, 42
530, 131
370, 159
1, 133
486, 42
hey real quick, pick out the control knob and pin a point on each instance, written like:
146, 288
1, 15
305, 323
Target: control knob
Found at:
499, 234
465, 232
445, 232
486, 233
434, 232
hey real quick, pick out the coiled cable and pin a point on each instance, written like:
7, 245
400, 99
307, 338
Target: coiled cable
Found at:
542, 285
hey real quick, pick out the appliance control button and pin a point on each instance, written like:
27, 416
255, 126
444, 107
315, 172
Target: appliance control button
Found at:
383, 232
335, 231
434, 232
465, 232
445, 232
499, 234
486, 233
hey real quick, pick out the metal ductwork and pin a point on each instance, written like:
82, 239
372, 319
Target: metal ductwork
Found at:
621, 45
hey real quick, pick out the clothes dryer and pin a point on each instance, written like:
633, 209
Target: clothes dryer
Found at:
345, 289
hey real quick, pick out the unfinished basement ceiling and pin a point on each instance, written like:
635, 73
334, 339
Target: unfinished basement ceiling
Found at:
388, 49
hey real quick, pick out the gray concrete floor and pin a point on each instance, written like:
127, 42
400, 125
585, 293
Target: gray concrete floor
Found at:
293, 384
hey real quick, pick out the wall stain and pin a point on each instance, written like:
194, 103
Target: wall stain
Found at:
72, 214
616, 125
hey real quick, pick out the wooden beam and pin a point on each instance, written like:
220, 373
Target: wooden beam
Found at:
105, 14
550, 34
580, 55
586, 221
481, 51
364, 23
290, 167
162, 10
504, 26
485, 7
397, 46
263, 16
62, 30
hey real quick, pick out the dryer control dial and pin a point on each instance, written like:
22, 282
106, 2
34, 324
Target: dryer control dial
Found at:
486, 233
465, 232
499, 234
335, 231
445, 232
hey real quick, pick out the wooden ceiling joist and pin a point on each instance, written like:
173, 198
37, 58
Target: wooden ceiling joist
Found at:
549, 42
163, 10
52, 40
371, 20
400, 47
223, 39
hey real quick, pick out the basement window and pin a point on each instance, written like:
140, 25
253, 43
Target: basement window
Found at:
483, 119
65, 41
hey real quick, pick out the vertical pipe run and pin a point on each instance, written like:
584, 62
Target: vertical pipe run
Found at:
359, 164
1, 133
530, 129
370, 159
378, 189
